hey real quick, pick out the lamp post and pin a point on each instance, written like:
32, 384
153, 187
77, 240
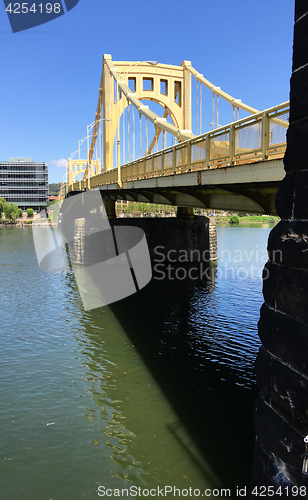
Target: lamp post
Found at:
79, 144
77, 151
73, 154
89, 128
64, 186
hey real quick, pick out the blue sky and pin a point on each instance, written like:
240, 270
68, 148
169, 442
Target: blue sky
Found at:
50, 74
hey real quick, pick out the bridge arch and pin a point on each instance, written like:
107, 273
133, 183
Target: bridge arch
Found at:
167, 85
133, 83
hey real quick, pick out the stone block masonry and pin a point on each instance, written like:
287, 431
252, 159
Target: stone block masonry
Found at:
281, 410
189, 234
178, 240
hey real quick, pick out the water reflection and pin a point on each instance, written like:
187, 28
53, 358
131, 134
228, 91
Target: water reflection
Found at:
202, 358
174, 327
132, 400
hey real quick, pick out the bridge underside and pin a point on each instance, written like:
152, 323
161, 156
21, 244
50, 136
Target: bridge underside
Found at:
240, 198
250, 188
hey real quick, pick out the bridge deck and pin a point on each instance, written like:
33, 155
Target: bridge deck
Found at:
248, 188
235, 167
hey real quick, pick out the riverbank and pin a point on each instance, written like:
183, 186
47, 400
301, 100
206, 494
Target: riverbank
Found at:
263, 219
18, 223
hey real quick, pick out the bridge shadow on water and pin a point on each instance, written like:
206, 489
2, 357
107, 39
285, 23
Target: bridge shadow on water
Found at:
162, 322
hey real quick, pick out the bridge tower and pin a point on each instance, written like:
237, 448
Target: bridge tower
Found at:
126, 86
165, 84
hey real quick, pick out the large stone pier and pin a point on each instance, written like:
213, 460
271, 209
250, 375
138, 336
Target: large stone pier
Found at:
93, 231
281, 411
195, 235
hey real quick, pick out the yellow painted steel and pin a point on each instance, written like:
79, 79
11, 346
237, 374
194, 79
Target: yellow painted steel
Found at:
79, 166
128, 83
220, 148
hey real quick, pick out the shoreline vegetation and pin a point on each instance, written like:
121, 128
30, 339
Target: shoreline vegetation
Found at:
141, 210
14, 216
133, 209
248, 219
16, 223
220, 219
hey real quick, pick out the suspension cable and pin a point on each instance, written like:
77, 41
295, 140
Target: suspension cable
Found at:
123, 148
118, 131
197, 111
238, 117
128, 137
200, 108
101, 145
133, 133
140, 132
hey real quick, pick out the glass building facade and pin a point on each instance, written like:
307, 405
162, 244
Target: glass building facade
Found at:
24, 182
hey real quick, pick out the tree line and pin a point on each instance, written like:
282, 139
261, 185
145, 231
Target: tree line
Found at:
54, 188
145, 208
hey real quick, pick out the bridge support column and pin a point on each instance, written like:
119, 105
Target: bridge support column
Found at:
191, 237
281, 410
213, 239
79, 241
187, 95
185, 213
110, 208
108, 106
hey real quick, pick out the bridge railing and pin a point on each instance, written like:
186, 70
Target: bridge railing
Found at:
261, 136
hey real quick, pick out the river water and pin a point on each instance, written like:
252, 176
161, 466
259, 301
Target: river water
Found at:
155, 390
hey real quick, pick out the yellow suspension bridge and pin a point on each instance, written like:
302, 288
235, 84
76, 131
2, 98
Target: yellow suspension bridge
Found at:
135, 154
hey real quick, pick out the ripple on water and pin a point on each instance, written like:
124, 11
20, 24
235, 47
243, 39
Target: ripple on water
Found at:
79, 407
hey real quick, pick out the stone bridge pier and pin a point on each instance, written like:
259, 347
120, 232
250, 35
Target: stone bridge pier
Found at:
281, 410
185, 238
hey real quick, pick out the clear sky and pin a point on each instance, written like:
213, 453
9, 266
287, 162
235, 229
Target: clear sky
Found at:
50, 74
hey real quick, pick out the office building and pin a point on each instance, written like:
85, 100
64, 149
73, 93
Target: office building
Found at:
24, 182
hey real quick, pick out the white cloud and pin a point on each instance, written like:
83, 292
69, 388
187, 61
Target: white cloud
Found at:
60, 163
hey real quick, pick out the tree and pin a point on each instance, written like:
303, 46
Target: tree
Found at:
234, 219
51, 203
141, 207
30, 212
11, 211
2, 205
54, 188
20, 212
130, 208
